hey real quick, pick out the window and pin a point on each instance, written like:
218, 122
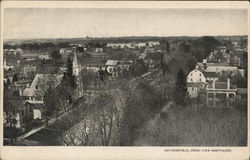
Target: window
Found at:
200, 79
191, 80
192, 88
200, 74
191, 74
220, 95
231, 95
210, 95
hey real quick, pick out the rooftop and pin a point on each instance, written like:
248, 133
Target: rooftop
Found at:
221, 85
111, 62
210, 74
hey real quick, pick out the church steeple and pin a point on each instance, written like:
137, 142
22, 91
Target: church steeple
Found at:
75, 65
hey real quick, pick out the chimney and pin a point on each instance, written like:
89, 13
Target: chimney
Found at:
213, 84
228, 83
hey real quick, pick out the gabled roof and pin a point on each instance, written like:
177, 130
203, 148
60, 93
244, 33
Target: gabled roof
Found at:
201, 65
221, 85
45, 78
111, 62
32, 92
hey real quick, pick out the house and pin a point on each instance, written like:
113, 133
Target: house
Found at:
15, 111
65, 52
98, 50
35, 93
20, 85
197, 81
211, 76
113, 67
44, 56
153, 43
196, 76
219, 68
124, 65
195, 88
220, 94
29, 71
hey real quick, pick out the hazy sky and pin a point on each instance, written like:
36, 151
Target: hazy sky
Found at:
70, 23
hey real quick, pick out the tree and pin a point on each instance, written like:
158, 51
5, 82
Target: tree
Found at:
15, 78
181, 88
104, 108
55, 55
50, 104
139, 67
203, 46
184, 48
165, 46
191, 63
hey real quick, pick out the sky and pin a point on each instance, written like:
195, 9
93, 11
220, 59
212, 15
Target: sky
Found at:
28, 23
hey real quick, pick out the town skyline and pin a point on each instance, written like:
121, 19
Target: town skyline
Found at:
77, 23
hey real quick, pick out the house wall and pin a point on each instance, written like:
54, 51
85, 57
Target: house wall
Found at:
196, 76
220, 69
193, 92
37, 114
113, 70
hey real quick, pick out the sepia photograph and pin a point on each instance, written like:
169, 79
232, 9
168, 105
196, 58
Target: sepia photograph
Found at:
125, 76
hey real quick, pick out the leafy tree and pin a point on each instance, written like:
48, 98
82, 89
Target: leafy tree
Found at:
191, 63
139, 67
202, 47
55, 55
184, 48
50, 103
165, 45
68, 84
15, 78
181, 88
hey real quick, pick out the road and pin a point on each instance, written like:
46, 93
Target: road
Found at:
35, 130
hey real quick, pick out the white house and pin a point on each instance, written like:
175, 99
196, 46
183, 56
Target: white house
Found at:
195, 82
44, 56
35, 93
113, 67
98, 50
196, 76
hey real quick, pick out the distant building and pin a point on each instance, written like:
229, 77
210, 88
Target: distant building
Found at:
44, 56
98, 50
65, 52
29, 71
124, 65
113, 67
